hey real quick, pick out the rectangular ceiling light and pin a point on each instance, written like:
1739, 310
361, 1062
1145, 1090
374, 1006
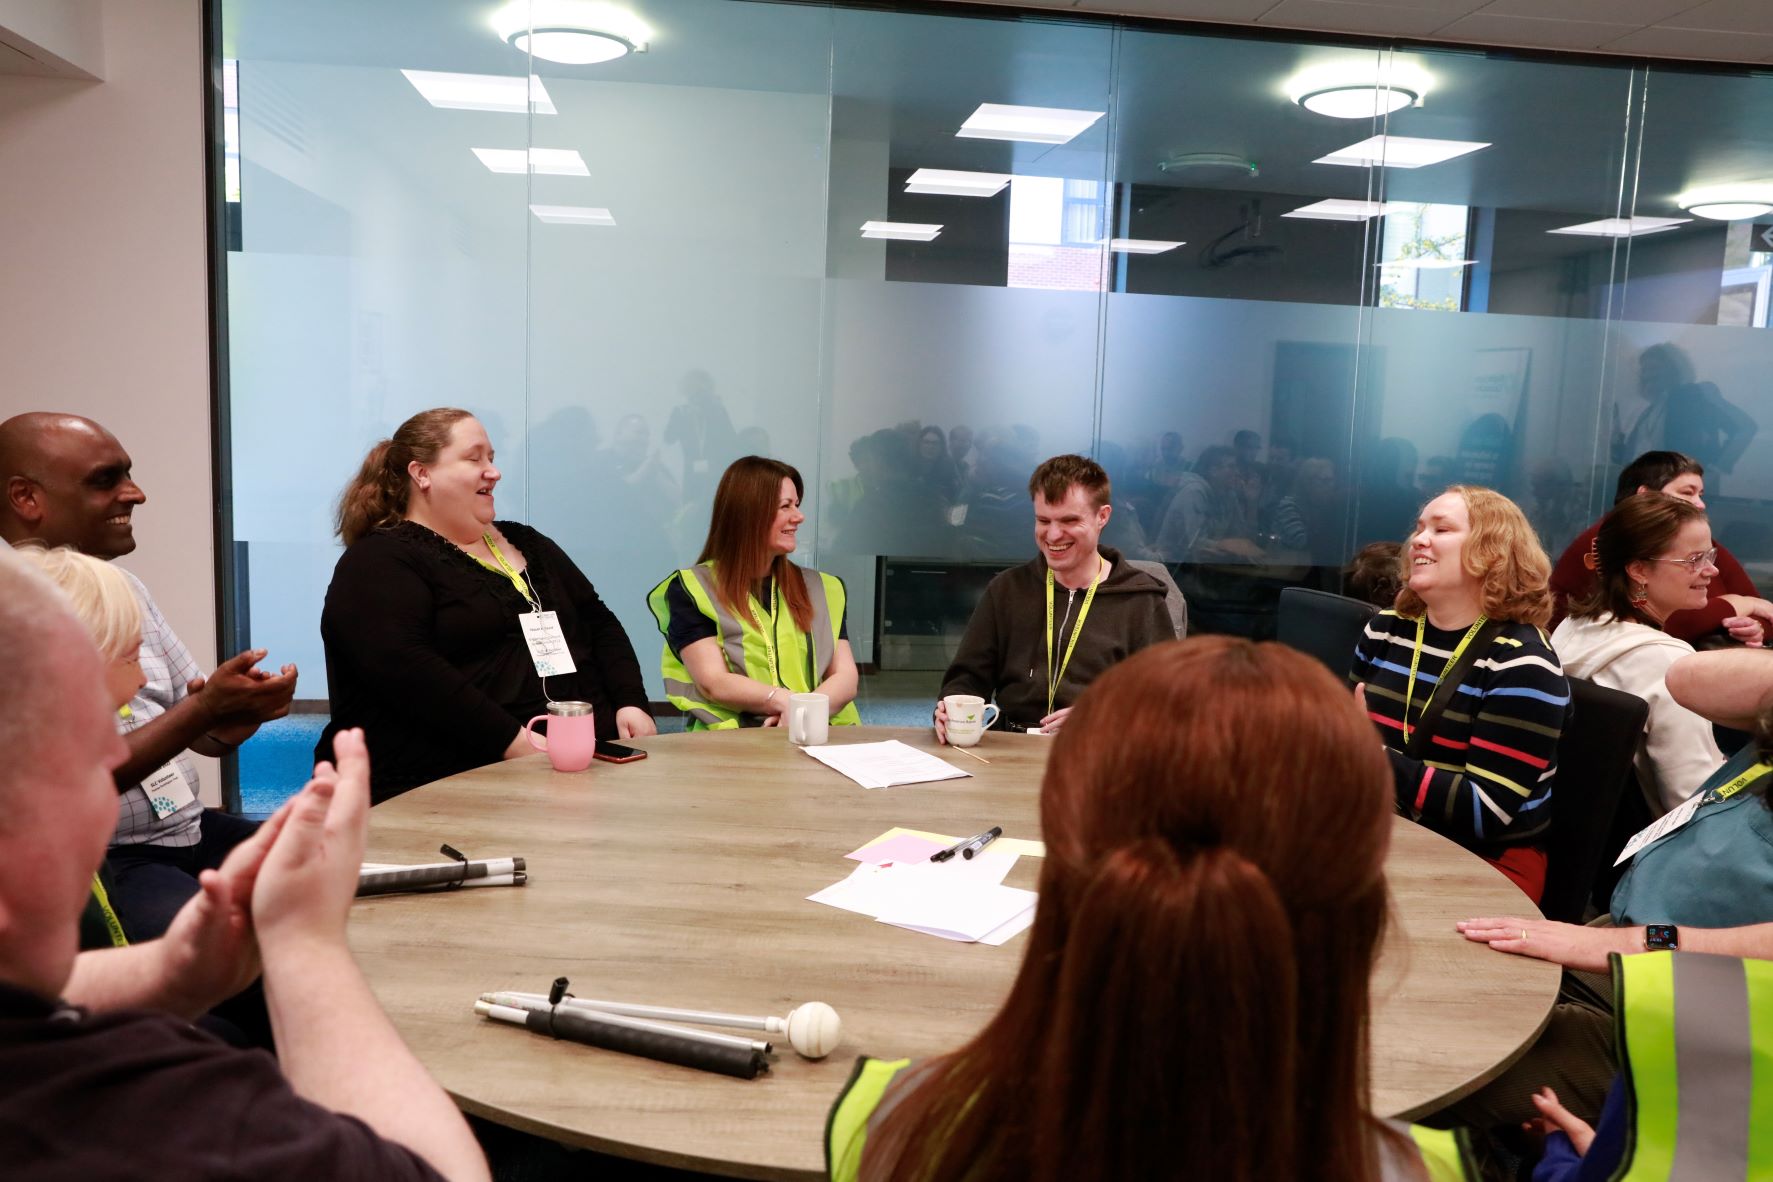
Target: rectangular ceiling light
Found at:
1426, 264
1142, 245
908, 231
1400, 151
1337, 210
949, 183
544, 161
1622, 227
573, 215
1029, 125
482, 92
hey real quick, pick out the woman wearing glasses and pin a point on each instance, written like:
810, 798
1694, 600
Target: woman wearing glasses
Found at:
1654, 557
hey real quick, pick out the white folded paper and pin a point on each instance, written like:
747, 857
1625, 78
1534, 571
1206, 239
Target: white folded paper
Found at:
883, 765
956, 900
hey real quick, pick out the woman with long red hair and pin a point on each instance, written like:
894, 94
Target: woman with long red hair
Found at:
1193, 1000
746, 627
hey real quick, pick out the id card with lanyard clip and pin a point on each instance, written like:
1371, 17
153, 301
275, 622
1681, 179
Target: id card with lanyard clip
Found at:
1680, 815
1476, 641
542, 635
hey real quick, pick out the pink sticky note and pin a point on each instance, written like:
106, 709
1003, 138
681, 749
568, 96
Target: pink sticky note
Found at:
903, 848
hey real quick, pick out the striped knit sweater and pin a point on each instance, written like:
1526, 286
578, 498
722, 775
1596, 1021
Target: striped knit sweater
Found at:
1493, 757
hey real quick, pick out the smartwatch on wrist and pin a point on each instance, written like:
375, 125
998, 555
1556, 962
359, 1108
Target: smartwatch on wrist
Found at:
1661, 937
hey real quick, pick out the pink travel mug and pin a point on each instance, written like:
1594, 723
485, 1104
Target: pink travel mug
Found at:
572, 735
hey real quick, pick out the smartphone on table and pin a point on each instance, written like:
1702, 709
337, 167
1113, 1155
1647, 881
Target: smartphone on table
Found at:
616, 753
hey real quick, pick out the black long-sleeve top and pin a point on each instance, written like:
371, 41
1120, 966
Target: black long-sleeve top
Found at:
424, 652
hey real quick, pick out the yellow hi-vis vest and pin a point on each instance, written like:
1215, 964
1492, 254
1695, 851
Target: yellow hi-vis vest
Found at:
1695, 1038
877, 1086
745, 645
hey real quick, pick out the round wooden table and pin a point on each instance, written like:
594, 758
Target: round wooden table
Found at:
681, 880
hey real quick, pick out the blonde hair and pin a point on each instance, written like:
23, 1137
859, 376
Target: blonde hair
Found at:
1503, 553
99, 593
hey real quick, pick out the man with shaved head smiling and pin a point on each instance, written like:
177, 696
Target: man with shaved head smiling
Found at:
66, 481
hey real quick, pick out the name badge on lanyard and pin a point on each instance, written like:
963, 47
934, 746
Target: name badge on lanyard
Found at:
1677, 817
547, 643
167, 791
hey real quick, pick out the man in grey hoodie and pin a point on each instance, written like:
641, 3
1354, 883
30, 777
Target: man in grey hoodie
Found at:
1046, 629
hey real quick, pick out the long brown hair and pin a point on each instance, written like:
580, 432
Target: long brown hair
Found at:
376, 496
739, 537
1195, 985
1503, 553
1637, 529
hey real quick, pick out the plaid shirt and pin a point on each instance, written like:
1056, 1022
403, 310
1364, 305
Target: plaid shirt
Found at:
168, 666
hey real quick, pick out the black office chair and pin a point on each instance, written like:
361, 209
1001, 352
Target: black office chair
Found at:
1594, 774
1322, 625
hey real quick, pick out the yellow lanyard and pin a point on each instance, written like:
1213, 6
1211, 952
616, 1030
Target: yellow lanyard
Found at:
1054, 678
524, 587
769, 636
112, 925
1416, 657
1726, 791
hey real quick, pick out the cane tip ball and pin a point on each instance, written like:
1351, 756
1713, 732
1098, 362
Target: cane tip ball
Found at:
814, 1029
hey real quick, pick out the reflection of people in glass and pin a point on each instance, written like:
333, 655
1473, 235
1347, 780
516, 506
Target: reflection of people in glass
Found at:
1206, 521
745, 627
1388, 497
1682, 414
1437, 472
1559, 510
701, 429
960, 450
1125, 530
1310, 518
935, 467
425, 647
1190, 887
894, 512
632, 463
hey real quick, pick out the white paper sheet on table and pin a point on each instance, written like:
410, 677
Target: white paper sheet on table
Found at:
973, 914
883, 765
957, 900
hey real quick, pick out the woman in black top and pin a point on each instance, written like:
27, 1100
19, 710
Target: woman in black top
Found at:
424, 646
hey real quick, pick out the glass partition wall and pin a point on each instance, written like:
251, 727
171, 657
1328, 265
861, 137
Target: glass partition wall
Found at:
1282, 288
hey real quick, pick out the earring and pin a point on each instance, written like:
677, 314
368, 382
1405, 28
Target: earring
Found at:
1640, 594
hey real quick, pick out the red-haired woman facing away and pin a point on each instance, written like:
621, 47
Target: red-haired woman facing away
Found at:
1193, 1000
1463, 685
745, 627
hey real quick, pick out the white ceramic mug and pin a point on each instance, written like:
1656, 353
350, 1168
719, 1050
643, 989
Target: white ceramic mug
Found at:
809, 719
969, 717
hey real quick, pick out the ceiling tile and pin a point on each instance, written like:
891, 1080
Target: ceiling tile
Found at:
1182, 10
1661, 41
1729, 16
1623, 12
1536, 34
1357, 18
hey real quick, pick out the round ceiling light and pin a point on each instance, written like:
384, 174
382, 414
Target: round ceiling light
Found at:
1729, 211
572, 47
1729, 203
571, 32
1357, 102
